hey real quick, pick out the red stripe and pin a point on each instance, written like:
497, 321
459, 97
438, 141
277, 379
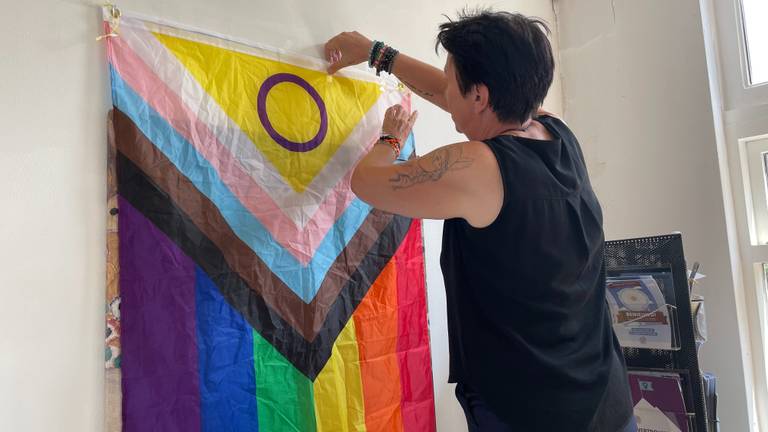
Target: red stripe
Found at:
418, 400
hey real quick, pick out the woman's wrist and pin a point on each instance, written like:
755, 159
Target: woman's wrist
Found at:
382, 57
393, 142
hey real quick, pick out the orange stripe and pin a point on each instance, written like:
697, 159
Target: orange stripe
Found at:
376, 328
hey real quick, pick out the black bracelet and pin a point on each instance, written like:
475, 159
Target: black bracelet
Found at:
385, 64
387, 59
391, 60
375, 48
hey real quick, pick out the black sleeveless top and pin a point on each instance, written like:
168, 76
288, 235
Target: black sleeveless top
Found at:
527, 319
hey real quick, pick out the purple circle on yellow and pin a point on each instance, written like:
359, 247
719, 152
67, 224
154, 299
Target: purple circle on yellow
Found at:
261, 106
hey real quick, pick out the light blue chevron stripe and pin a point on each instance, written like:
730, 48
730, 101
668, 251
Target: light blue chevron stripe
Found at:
303, 280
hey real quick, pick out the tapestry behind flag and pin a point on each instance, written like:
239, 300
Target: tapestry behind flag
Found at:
256, 292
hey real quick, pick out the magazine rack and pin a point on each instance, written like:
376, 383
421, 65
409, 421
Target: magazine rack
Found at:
655, 252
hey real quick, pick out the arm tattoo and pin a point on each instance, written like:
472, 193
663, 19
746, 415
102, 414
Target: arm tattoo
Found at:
418, 91
431, 168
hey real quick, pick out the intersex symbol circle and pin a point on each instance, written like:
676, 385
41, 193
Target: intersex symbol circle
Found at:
261, 106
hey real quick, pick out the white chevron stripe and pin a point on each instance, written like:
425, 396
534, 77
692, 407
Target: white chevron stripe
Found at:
299, 207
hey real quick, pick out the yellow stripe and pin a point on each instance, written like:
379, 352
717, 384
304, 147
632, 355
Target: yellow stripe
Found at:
233, 79
339, 389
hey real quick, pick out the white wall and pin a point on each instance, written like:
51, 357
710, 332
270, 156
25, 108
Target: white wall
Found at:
637, 94
53, 86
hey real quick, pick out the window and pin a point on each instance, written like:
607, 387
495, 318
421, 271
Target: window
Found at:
763, 300
754, 160
736, 36
754, 18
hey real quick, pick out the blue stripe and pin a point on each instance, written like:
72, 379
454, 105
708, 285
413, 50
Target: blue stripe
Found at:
227, 373
408, 148
303, 280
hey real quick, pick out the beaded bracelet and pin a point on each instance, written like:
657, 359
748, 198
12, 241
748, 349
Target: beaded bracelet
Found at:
393, 142
389, 60
381, 57
374, 53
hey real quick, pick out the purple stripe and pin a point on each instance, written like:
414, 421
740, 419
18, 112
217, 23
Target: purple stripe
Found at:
159, 348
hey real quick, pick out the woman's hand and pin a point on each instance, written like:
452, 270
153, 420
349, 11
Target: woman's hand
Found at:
398, 123
347, 49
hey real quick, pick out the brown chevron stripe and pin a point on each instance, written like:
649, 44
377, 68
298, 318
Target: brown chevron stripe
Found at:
307, 319
308, 357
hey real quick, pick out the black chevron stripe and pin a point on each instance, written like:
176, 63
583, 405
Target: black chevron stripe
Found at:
307, 357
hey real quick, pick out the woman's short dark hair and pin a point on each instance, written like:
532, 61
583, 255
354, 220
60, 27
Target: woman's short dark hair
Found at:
509, 53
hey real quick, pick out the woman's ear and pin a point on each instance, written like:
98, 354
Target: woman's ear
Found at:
480, 97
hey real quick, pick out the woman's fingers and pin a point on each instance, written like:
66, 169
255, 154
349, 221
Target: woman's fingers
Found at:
333, 54
399, 122
334, 67
346, 49
412, 118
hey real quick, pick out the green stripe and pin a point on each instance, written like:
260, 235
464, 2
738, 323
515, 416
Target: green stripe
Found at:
284, 396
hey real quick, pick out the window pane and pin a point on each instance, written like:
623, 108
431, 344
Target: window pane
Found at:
762, 308
756, 31
755, 172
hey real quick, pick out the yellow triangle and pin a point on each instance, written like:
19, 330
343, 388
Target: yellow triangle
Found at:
233, 79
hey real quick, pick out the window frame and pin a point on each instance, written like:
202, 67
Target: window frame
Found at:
740, 112
744, 46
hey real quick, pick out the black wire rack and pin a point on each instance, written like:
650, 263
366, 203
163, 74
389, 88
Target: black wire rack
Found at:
665, 251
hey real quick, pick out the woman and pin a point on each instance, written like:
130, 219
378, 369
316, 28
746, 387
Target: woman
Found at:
531, 343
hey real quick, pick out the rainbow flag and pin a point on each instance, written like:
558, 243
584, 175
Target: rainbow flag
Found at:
256, 291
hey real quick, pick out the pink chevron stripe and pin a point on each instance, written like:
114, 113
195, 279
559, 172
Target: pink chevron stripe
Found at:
301, 243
